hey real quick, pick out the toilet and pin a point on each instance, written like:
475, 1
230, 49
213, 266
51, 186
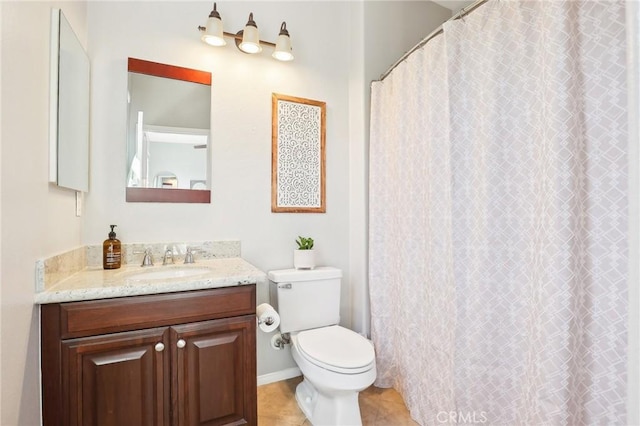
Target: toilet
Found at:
336, 363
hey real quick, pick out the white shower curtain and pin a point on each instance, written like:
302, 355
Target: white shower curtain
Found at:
498, 218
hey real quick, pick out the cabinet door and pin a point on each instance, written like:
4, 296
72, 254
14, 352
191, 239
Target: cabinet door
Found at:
117, 379
215, 380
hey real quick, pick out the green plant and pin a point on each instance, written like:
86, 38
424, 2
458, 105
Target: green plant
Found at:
304, 243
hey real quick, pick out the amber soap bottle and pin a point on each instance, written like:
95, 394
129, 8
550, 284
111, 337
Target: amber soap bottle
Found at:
111, 251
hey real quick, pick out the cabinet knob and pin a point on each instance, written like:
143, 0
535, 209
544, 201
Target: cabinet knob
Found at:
181, 343
159, 347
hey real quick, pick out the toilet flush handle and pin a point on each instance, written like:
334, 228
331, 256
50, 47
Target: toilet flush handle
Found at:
287, 286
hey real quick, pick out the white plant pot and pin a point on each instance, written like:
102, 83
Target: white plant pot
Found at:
304, 259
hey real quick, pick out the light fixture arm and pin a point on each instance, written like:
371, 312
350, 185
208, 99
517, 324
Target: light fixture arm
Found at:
238, 38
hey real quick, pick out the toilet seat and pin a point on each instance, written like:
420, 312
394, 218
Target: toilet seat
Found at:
336, 349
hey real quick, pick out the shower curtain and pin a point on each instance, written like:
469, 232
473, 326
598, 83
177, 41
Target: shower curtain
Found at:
498, 218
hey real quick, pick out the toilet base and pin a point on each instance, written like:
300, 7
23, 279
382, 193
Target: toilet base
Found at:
341, 408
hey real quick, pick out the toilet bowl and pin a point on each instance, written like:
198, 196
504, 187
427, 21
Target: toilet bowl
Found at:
337, 364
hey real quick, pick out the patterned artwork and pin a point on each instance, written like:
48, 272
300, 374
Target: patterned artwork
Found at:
298, 155
499, 218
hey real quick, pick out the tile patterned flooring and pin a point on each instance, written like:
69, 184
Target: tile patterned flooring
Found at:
277, 406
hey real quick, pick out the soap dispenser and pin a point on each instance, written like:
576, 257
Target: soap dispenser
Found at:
111, 251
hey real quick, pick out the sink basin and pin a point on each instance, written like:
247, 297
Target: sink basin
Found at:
168, 273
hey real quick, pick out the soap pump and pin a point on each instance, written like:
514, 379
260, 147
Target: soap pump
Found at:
111, 251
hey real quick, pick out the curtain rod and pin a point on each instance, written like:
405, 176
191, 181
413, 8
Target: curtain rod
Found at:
462, 13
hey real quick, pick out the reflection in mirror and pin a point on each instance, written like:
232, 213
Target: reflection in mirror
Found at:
168, 133
69, 107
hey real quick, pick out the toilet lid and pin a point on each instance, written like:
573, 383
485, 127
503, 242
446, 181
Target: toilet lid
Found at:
336, 348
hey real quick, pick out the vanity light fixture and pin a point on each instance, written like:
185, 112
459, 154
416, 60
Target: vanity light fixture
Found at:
250, 37
283, 45
247, 39
213, 32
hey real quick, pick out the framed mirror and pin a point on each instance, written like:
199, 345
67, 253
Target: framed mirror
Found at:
69, 107
168, 133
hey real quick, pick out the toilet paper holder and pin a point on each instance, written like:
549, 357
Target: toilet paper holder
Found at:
267, 318
267, 321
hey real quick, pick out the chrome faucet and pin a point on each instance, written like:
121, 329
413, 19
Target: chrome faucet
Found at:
168, 257
147, 260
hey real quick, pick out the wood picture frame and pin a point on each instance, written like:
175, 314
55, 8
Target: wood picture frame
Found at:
298, 138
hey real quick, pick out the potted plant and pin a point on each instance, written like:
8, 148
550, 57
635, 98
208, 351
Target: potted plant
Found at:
304, 255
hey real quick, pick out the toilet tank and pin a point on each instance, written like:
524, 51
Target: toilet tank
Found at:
306, 298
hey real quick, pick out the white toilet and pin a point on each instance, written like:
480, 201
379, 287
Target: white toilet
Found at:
337, 363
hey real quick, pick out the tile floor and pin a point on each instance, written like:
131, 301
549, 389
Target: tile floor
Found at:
277, 406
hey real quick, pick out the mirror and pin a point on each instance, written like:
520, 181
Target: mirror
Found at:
168, 133
69, 107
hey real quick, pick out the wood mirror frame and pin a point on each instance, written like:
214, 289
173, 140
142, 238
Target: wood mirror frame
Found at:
168, 195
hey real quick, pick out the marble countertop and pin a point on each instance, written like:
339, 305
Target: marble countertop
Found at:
97, 283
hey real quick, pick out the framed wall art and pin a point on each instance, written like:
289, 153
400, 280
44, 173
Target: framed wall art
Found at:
298, 129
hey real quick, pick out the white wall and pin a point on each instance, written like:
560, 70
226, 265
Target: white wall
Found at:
241, 116
358, 176
241, 130
38, 220
328, 39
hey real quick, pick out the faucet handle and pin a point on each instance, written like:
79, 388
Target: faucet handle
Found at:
147, 260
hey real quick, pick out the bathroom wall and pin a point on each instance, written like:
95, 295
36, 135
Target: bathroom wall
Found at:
241, 130
328, 45
38, 219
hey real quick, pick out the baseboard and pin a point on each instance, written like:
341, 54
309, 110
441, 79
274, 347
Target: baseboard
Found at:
278, 376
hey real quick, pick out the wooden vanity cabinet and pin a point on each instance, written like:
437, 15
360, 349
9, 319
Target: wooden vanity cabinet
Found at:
184, 358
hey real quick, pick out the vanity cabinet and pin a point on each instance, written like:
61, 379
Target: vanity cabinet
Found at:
118, 378
185, 358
